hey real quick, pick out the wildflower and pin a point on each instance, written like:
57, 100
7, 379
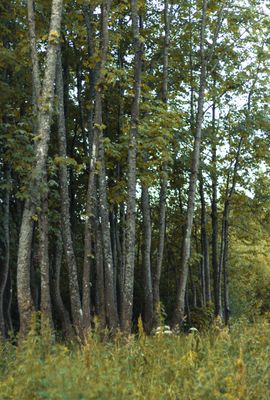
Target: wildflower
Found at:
193, 330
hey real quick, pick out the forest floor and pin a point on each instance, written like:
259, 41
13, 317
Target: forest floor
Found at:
218, 364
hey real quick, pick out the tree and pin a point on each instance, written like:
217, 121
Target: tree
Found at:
43, 131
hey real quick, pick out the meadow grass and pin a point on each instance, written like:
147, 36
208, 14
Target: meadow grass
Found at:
218, 364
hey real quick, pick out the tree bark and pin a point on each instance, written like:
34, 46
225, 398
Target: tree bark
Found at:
110, 300
164, 178
100, 285
223, 264
206, 284
128, 281
6, 262
214, 215
76, 309
45, 304
34, 56
91, 187
181, 287
59, 304
148, 307
25, 301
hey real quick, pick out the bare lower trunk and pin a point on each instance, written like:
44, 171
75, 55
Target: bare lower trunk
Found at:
60, 307
110, 300
88, 229
223, 265
204, 247
9, 303
76, 309
45, 304
100, 286
5, 268
88, 257
146, 275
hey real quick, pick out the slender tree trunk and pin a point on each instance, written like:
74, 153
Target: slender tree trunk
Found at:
205, 246
88, 257
214, 216
75, 301
100, 285
164, 178
110, 300
25, 301
5, 268
181, 288
223, 265
122, 251
91, 189
9, 302
112, 218
88, 229
205, 60
59, 304
43, 216
128, 282
45, 304
89, 22
148, 307
34, 56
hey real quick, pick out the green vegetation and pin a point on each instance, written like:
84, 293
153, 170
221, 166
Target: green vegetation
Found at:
212, 365
134, 186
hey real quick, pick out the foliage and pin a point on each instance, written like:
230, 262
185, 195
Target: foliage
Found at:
215, 365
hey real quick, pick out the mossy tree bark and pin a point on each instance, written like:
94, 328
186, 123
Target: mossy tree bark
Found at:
128, 278
44, 114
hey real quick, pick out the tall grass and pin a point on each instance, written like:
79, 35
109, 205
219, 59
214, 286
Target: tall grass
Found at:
217, 364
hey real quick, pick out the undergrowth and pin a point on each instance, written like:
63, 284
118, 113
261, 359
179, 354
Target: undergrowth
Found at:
217, 364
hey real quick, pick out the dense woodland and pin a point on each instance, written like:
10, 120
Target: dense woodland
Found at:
134, 163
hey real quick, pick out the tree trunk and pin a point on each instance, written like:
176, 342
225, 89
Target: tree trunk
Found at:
9, 289
25, 301
128, 281
34, 56
6, 239
181, 287
91, 189
60, 307
75, 301
204, 247
148, 307
100, 285
164, 178
45, 304
110, 300
214, 216
223, 265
